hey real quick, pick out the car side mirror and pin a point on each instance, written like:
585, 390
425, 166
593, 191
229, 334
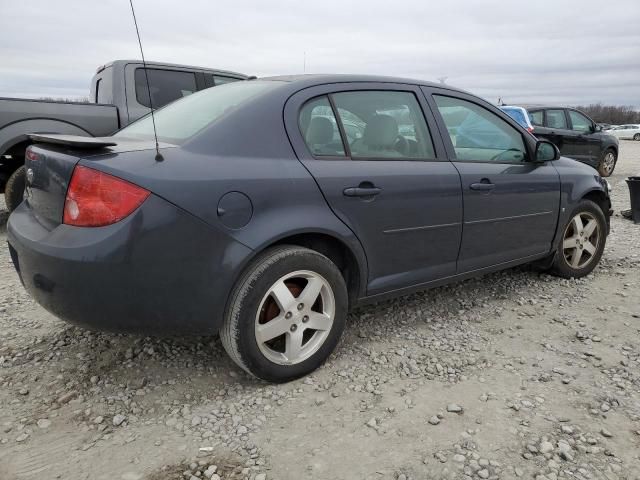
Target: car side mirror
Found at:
546, 151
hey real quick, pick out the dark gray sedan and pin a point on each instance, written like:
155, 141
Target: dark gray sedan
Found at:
276, 205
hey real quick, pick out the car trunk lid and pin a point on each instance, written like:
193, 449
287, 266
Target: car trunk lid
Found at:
49, 166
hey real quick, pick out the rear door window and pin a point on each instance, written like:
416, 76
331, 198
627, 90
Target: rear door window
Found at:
386, 125
165, 86
556, 119
537, 117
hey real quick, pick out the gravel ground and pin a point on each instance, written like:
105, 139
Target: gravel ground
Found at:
514, 375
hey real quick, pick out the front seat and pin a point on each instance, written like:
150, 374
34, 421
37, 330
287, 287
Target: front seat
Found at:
380, 138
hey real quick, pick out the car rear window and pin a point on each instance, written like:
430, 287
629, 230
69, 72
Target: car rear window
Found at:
181, 120
165, 86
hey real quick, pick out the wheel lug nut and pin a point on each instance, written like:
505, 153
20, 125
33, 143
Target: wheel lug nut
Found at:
305, 319
287, 315
300, 306
293, 328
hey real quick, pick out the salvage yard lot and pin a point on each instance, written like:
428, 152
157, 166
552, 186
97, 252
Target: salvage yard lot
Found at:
516, 374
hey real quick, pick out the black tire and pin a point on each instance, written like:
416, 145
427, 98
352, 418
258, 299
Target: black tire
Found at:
636, 137
606, 167
14, 189
561, 266
238, 332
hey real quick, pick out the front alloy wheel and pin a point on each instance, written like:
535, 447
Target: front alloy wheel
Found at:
286, 314
582, 242
608, 163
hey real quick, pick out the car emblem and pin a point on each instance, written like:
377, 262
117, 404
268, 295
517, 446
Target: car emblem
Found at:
29, 175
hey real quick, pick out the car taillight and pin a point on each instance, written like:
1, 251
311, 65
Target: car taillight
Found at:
96, 199
31, 155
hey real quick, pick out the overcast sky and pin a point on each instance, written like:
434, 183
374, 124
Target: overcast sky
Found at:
572, 52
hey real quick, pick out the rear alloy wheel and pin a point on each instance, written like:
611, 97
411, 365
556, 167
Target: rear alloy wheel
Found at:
582, 242
636, 136
286, 315
607, 163
14, 189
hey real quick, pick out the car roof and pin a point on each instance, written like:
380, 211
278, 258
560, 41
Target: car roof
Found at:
115, 63
322, 79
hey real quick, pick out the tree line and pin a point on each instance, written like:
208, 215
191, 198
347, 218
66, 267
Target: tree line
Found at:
612, 114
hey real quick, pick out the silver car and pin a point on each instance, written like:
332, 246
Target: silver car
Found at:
626, 132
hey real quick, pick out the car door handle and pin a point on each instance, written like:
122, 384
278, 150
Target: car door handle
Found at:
361, 191
483, 186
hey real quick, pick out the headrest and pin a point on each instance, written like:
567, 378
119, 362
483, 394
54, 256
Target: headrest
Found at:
320, 131
381, 132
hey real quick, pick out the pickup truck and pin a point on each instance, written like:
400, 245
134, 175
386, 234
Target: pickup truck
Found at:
119, 95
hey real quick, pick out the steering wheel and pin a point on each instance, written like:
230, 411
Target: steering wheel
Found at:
497, 157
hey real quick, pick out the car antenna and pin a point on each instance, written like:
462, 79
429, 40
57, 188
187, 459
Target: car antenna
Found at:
159, 156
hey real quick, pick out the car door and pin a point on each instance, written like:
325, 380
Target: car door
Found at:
510, 203
556, 130
388, 180
584, 141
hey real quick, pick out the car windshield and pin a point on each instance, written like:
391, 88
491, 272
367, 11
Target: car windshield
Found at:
183, 118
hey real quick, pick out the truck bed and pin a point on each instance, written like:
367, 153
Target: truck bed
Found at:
94, 119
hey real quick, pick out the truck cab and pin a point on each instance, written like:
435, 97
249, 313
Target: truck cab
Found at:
118, 96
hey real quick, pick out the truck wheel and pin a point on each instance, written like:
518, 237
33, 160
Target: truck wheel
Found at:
14, 189
582, 242
286, 314
607, 163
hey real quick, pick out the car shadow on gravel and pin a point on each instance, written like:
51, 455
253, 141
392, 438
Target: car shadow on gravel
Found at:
104, 363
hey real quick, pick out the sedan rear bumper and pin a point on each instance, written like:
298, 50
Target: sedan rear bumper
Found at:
158, 271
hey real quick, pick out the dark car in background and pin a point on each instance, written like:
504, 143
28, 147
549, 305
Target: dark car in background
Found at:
265, 219
576, 135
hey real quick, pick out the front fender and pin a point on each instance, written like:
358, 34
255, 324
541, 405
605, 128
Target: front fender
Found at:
577, 180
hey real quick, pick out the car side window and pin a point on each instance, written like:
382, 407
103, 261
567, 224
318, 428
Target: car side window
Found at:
165, 86
319, 128
556, 119
386, 125
537, 118
579, 122
479, 135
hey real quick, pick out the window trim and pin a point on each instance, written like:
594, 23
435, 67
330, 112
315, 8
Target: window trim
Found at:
431, 92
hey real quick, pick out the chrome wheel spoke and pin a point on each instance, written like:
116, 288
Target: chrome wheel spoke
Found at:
577, 224
272, 329
311, 291
590, 247
569, 243
590, 227
319, 321
575, 258
293, 346
282, 295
